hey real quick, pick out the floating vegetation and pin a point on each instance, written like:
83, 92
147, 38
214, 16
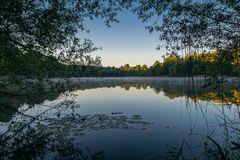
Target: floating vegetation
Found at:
54, 137
117, 113
79, 124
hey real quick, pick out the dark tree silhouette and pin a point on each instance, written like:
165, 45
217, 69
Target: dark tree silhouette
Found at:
50, 26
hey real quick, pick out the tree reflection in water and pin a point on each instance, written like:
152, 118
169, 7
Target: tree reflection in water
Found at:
41, 136
44, 137
225, 146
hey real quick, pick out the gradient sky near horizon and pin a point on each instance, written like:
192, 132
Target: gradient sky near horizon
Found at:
124, 42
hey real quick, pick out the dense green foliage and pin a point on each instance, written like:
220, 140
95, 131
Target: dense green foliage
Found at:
29, 64
211, 64
188, 26
32, 32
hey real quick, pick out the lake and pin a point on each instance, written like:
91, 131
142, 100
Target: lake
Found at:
121, 119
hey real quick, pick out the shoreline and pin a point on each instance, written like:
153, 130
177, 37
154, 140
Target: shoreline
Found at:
5, 80
35, 86
131, 79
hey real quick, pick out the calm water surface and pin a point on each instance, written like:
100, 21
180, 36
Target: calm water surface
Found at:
117, 121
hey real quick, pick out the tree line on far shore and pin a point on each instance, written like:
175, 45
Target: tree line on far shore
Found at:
41, 38
31, 65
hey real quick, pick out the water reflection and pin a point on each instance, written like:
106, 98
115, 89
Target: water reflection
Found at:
99, 119
45, 136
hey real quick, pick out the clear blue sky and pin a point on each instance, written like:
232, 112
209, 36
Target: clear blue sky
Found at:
124, 42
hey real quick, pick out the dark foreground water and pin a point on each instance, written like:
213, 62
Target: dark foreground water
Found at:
122, 120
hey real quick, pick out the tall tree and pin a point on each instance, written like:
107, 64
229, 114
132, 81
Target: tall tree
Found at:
50, 26
193, 24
